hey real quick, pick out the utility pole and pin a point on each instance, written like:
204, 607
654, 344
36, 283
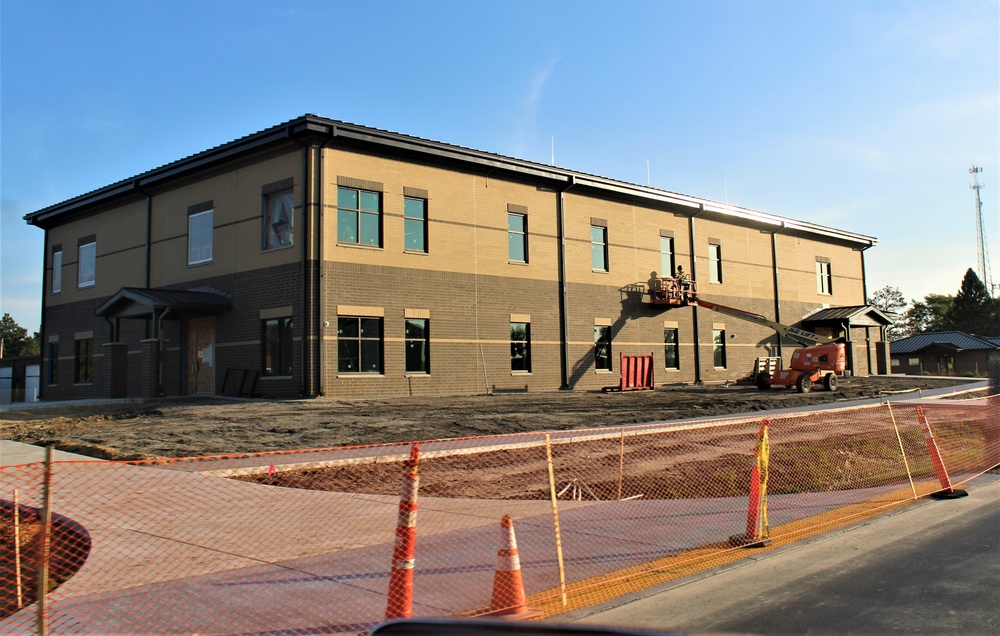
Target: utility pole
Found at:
982, 251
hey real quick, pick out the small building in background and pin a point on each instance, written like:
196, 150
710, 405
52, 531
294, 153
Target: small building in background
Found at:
20, 379
944, 353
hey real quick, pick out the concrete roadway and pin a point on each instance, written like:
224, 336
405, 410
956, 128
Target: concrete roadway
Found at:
931, 568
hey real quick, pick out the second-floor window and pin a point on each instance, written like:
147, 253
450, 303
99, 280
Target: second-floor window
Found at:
359, 216
414, 224
824, 278
599, 248
279, 215
517, 237
57, 270
666, 256
87, 264
715, 262
200, 230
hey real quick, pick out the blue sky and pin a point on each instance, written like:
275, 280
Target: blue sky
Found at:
861, 115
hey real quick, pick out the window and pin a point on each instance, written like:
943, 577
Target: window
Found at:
715, 262
53, 363
418, 346
666, 256
517, 237
87, 263
599, 248
520, 346
278, 346
83, 368
895, 362
279, 215
200, 237
671, 349
359, 345
824, 278
359, 216
602, 347
913, 362
414, 224
56, 269
719, 348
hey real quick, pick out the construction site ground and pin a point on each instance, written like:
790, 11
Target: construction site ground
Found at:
200, 426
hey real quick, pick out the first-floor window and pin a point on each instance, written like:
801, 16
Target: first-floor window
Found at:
520, 346
671, 350
719, 348
418, 346
83, 369
278, 346
602, 347
53, 363
359, 345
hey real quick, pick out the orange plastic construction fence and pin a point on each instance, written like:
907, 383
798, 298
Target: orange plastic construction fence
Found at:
529, 525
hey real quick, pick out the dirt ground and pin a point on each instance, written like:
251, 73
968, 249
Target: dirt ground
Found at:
193, 427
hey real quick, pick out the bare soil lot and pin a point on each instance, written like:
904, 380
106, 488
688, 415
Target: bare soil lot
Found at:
192, 427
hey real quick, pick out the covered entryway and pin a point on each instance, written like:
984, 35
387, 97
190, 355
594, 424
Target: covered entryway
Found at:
196, 309
862, 328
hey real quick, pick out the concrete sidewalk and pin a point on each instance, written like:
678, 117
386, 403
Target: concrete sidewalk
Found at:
933, 567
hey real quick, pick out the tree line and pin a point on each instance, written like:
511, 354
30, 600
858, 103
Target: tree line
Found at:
972, 310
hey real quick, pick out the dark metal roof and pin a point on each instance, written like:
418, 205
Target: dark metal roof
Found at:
950, 339
313, 127
135, 302
850, 314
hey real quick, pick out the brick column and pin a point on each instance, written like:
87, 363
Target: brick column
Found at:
150, 368
117, 366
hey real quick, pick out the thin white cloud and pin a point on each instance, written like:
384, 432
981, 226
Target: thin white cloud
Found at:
527, 139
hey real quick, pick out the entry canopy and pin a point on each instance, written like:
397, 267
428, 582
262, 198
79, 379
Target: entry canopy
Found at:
136, 302
856, 316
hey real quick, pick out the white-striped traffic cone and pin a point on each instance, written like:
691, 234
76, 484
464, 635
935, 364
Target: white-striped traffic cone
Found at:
508, 599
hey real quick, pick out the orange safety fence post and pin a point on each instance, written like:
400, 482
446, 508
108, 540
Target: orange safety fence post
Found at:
947, 491
508, 600
400, 603
757, 531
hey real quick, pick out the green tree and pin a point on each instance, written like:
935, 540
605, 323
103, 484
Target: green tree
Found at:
926, 315
891, 301
16, 341
973, 309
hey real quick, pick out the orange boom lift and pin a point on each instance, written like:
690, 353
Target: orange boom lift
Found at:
818, 362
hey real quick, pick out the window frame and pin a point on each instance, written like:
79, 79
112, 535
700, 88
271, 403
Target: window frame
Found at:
361, 213
84, 281
715, 263
525, 346
599, 247
824, 278
603, 336
674, 347
409, 221
202, 233
57, 259
269, 195
668, 263
282, 344
719, 349
519, 235
423, 341
83, 361
361, 340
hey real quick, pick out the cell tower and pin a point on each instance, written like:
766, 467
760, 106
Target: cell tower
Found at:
982, 251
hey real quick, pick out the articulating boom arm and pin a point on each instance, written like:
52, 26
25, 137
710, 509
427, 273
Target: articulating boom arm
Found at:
800, 335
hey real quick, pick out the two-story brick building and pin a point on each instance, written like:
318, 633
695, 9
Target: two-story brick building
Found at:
319, 257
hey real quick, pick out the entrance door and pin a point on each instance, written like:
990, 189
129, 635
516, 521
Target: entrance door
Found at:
201, 356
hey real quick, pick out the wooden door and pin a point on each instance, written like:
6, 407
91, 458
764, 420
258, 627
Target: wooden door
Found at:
200, 357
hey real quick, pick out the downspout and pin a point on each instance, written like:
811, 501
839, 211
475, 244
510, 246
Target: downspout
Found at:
320, 213
43, 344
864, 299
306, 237
774, 263
694, 277
563, 284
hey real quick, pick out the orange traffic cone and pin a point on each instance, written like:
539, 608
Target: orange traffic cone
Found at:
508, 599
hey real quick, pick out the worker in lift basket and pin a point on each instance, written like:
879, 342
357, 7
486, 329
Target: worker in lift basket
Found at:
683, 278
